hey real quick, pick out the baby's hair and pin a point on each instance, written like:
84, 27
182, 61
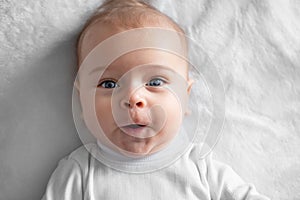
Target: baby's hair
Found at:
126, 14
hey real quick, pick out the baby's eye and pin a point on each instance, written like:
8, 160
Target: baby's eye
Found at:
108, 84
156, 82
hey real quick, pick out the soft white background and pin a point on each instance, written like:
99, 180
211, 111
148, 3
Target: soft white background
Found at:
255, 45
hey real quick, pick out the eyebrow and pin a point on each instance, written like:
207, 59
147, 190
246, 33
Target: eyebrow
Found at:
98, 68
164, 67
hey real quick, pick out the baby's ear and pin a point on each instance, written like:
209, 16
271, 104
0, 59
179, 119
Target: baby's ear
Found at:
76, 85
190, 84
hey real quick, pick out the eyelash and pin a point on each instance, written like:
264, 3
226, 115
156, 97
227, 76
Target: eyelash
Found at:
152, 81
101, 84
161, 80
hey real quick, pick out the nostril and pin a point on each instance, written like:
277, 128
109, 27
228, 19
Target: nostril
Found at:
125, 104
139, 104
131, 103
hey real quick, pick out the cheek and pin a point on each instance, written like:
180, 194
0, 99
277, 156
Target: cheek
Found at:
172, 120
174, 116
171, 103
172, 111
103, 111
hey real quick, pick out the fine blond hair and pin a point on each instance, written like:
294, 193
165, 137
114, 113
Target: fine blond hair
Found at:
126, 14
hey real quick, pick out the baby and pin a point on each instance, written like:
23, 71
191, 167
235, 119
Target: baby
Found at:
133, 86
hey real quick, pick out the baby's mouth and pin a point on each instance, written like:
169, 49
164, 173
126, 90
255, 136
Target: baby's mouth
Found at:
137, 130
135, 126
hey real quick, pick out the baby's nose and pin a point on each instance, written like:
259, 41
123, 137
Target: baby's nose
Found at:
135, 101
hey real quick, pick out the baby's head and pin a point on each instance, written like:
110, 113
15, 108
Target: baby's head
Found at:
139, 97
115, 16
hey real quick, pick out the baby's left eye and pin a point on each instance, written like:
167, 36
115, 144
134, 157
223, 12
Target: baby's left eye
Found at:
108, 84
156, 82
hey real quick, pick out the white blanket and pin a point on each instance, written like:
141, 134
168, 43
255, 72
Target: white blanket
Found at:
254, 44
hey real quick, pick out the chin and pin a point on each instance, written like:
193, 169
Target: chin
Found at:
137, 150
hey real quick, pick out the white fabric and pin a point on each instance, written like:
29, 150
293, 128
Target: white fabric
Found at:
80, 176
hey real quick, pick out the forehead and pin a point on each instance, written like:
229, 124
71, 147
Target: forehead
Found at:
157, 59
99, 31
93, 35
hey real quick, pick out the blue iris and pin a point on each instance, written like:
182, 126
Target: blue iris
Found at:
156, 82
108, 84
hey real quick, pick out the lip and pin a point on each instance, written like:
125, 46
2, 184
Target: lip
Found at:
136, 130
134, 126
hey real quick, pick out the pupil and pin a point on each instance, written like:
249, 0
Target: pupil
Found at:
110, 84
156, 82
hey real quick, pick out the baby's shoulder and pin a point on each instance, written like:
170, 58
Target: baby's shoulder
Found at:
82, 154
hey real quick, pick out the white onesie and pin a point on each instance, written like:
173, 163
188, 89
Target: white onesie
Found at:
81, 176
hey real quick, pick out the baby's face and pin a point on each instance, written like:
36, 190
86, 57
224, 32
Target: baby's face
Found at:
139, 100
136, 103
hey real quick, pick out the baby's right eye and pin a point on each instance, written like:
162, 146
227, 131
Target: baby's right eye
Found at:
108, 84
